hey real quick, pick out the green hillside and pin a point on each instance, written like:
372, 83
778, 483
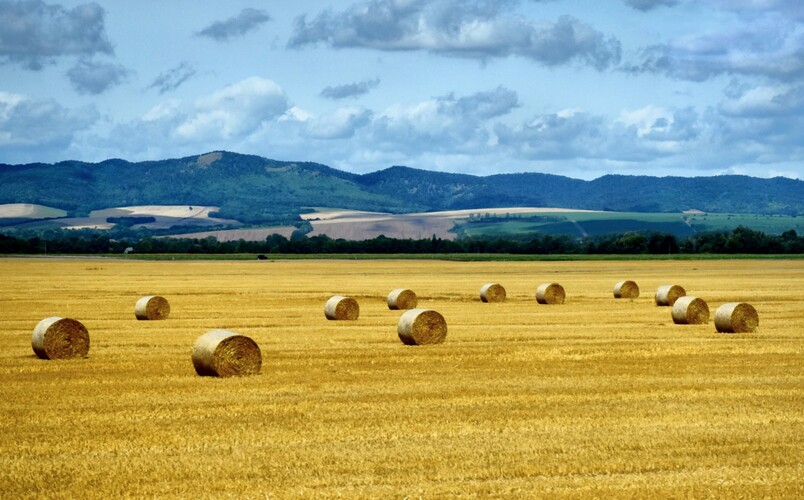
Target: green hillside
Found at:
258, 190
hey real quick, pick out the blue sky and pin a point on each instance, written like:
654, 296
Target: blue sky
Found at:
578, 88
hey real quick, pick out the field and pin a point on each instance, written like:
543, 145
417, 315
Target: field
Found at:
578, 224
594, 398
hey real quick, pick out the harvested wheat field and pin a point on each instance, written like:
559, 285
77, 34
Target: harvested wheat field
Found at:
597, 398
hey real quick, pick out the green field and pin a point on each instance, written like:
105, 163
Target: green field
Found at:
579, 224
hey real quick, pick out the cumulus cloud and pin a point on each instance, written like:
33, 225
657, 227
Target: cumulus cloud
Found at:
33, 33
350, 89
637, 135
770, 45
92, 77
340, 124
173, 78
235, 110
228, 118
646, 5
474, 29
560, 135
763, 101
34, 128
761, 124
248, 20
444, 123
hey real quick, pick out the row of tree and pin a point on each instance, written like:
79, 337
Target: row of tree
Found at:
738, 240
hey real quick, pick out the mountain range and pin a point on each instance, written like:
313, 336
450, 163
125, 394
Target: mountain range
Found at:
259, 190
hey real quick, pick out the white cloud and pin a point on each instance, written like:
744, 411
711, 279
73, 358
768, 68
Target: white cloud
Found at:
33, 33
234, 111
768, 45
474, 29
32, 128
765, 100
340, 124
646, 119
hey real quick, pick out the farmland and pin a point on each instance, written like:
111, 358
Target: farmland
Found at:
589, 223
593, 398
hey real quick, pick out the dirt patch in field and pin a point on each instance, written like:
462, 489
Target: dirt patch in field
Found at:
257, 234
365, 227
29, 211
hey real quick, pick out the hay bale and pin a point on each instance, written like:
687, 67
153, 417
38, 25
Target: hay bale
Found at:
402, 298
666, 295
736, 317
492, 292
152, 307
626, 290
60, 338
689, 310
221, 353
422, 326
550, 293
339, 307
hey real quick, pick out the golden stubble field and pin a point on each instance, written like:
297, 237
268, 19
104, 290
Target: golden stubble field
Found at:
594, 398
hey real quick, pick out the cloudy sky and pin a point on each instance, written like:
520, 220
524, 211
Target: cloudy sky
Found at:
574, 87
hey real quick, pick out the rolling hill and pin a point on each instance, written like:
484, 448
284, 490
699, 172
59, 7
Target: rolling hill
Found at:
257, 190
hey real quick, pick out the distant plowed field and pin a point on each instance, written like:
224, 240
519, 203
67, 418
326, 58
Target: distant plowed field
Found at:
597, 397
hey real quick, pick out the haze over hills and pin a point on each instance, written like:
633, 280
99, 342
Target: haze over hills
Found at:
258, 190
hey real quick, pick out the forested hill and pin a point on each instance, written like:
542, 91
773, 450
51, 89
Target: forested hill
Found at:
255, 189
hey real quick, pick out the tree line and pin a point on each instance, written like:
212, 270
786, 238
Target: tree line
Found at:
737, 241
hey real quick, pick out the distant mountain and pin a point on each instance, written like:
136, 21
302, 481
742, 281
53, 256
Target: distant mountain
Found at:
253, 189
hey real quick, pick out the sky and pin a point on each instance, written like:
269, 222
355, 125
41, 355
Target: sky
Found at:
580, 88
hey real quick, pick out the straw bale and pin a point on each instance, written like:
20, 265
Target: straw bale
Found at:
152, 307
626, 290
736, 317
422, 326
550, 293
688, 310
402, 298
221, 353
60, 338
666, 295
492, 292
339, 307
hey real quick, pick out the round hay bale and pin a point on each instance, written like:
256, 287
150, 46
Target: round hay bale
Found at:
422, 326
60, 338
736, 317
666, 295
626, 290
550, 293
152, 307
689, 310
492, 292
339, 307
402, 298
221, 353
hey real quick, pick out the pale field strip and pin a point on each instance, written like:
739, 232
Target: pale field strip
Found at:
362, 225
176, 211
28, 211
594, 398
